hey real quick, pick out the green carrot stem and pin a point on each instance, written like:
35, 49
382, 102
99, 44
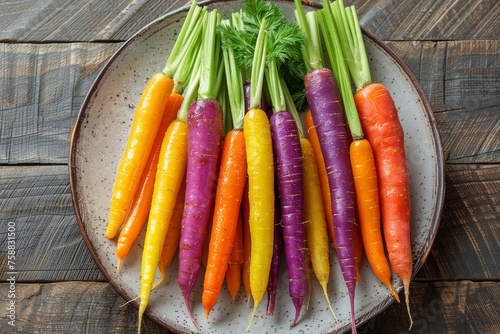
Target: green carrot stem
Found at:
185, 66
340, 70
210, 60
186, 36
352, 43
234, 80
274, 86
258, 65
191, 90
312, 50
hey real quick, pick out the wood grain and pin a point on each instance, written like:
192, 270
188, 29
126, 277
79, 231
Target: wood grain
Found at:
467, 244
443, 307
430, 20
95, 20
49, 244
42, 89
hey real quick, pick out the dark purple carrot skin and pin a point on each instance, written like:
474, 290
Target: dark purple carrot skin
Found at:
263, 101
288, 153
204, 141
327, 111
272, 286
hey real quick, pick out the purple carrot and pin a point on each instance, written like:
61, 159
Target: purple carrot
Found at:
204, 141
272, 285
288, 153
327, 111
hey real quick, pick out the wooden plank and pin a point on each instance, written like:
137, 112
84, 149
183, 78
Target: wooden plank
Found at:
430, 20
87, 307
66, 20
441, 307
51, 247
467, 245
49, 244
42, 89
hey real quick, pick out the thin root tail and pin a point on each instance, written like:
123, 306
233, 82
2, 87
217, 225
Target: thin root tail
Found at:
407, 300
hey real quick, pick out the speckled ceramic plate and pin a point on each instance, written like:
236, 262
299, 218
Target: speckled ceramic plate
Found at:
100, 134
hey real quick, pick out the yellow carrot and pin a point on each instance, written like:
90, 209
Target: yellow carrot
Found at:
169, 176
260, 167
314, 215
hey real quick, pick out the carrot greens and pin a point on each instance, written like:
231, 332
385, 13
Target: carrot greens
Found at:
334, 49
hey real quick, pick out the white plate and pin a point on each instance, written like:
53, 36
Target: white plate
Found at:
100, 134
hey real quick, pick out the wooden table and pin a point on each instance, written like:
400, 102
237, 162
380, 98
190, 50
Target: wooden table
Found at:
50, 53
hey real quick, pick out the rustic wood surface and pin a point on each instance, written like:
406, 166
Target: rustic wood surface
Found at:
52, 50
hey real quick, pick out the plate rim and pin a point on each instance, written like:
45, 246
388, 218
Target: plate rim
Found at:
72, 154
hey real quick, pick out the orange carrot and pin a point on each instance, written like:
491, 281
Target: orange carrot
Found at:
312, 135
369, 212
145, 125
232, 180
233, 274
142, 200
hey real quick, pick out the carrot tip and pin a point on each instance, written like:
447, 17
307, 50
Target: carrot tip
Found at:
159, 282
330, 305
190, 313
298, 305
118, 265
407, 300
128, 302
251, 317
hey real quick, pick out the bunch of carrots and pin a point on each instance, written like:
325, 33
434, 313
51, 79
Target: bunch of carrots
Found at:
214, 174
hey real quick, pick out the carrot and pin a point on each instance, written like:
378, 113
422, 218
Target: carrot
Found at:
328, 115
230, 186
204, 140
261, 197
312, 135
233, 273
142, 200
232, 179
260, 170
380, 121
170, 171
171, 243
